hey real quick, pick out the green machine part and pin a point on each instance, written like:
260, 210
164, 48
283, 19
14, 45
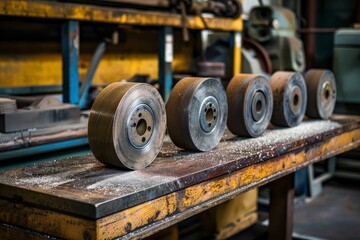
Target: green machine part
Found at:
346, 65
275, 29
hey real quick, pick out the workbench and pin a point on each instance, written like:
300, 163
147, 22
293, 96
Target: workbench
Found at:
80, 198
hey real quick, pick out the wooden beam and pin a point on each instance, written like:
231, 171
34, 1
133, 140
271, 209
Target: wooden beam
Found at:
83, 12
152, 216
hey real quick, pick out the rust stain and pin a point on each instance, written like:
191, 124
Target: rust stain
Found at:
121, 223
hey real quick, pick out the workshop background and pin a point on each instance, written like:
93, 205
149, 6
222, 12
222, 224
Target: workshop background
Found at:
56, 57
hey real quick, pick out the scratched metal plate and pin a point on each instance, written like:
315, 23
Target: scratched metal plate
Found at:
83, 186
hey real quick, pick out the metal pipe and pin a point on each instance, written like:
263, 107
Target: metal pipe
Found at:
86, 84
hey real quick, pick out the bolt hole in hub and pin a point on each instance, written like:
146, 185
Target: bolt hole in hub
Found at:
141, 127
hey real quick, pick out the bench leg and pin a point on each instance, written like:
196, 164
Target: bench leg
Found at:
281, 208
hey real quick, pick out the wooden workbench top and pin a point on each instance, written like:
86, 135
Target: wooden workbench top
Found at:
83, 186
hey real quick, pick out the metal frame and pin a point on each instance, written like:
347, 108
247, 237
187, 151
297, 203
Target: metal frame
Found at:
73, 13
235, 47
77, 142
166, 46
316, 183
70, 58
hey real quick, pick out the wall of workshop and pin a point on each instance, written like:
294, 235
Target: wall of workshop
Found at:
30, 52
332, 14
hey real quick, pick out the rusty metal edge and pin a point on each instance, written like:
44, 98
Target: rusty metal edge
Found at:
82, 12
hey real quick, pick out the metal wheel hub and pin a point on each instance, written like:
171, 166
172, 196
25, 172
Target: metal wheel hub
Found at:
258, 106
290, 98
321, 87
127, 125
295, 99
250, 102
197, 113
141, 123
327, 94
208, 114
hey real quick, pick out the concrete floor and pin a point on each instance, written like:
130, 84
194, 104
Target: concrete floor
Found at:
334, 214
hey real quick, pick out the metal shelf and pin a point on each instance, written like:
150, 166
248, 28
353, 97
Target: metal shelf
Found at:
85, 12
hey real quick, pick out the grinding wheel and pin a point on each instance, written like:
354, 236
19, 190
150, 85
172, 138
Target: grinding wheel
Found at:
250, 105
290, 98
127, 125
321, 89
196, 113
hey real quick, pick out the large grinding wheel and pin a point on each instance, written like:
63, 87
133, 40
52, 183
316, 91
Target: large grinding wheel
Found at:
250, 105
196, 113
290, 98
321, 89
127, 125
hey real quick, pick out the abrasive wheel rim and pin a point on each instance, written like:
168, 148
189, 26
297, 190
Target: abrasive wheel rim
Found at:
259, 86
140, 126
208, 114
130, 156
291, 119
295, 99
96, 142
258, 107
202, 140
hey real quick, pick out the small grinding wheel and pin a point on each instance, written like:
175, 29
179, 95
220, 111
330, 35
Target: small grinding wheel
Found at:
250, 105
290, 98
127, 125
321, 89
196, 113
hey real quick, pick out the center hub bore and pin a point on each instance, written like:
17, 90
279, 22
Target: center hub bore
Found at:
295, 100
140, 126
208, 114
258, 106
327, 94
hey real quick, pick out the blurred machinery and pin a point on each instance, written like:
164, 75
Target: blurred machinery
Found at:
346, 65
274, 28
346, 69
41, 112
84, 46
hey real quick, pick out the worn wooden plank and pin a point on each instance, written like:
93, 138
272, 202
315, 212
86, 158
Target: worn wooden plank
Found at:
83, 186
83, 12
151, 216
